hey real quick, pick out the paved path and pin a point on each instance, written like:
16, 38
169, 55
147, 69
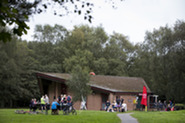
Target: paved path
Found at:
126, 118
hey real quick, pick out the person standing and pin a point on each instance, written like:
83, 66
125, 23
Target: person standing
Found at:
165, 105
107, 106
114, 104
46, 99
42, 102
47, 103
69, 99
171, 104
118, 101
61, 96
122, 100
58, 99
61, 102
31, 104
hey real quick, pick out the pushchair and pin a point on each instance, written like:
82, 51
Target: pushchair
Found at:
68, 108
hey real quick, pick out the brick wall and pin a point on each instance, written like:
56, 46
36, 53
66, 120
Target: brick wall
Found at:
77, 105
128, 99
94, 101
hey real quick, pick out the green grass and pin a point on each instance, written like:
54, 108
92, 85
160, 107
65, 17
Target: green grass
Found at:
9, 116
160, 117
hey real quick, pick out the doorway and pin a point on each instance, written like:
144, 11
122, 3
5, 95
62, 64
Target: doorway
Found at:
104, 100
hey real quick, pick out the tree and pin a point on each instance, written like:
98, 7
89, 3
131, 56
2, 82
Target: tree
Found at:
118, 51
86, 38
116, 67
9, 73
78, 83
17, 13
84, 59
51, 34
100, 66
159, 60
16, 79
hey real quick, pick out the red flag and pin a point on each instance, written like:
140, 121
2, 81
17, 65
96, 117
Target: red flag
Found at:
144, 96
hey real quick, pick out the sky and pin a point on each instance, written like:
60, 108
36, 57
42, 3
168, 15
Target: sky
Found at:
131, 18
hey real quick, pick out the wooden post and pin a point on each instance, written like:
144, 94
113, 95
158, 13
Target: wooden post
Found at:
56, 90
148, 103
40, 86
145, 108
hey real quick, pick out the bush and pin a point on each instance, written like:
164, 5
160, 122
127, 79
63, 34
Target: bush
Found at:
179, 106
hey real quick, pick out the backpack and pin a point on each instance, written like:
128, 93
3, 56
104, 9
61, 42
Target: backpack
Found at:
68, 98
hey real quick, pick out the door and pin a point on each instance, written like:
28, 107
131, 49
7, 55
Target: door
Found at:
104, 100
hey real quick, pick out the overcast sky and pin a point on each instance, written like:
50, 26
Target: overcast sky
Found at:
132, 18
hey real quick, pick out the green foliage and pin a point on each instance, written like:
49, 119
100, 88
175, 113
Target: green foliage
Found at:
15, 13
101, 66
160, 61
16, 80
78, 83
116, 67
48, 33
82, 58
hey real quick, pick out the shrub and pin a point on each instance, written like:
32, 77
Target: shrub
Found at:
179, 106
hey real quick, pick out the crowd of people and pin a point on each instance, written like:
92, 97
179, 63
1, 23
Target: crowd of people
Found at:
116, 105
44, 103
61, 103
165, 106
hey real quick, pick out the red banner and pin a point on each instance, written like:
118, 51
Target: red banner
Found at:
144, 96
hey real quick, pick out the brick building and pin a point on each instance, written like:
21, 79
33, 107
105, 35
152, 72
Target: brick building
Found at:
103, 88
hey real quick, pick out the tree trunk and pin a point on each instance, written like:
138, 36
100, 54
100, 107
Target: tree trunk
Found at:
83, 104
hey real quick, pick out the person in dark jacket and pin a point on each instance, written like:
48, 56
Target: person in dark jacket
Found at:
107, 105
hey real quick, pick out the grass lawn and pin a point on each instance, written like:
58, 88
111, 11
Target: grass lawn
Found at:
9, 116
160, 117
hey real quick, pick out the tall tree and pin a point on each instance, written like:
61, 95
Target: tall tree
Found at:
87, 38
15, 77
118, 51
78, 83
159, 61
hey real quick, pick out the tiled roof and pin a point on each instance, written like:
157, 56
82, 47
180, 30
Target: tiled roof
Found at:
109, 83
121, 84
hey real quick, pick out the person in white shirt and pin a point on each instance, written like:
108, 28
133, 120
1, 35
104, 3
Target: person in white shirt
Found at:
46, 99
124, 107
